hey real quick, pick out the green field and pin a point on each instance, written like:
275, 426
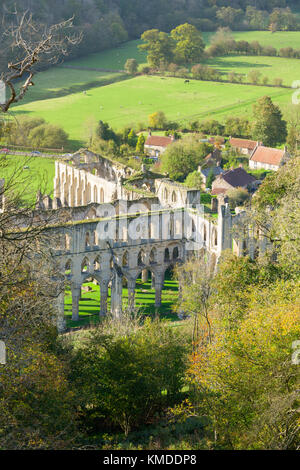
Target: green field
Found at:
266, 38
57, 82
131, 101
89, 304
113, 59
39, 174
272, 67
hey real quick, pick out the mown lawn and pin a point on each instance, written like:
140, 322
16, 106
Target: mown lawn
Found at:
28, 175
131, 101
89, 305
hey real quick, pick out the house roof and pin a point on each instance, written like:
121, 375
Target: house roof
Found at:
267, 155
158, 141
243, 143
217, 170
237, 178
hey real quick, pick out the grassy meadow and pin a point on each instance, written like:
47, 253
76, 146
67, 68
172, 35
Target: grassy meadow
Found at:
131, 101
265, 38
271, 67
33, 173
113, 59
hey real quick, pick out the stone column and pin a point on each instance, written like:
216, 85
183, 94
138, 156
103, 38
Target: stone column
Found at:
159, 283
60, 308
145, 275
76, 294
103, 297
131, 294
116, 295
152, 281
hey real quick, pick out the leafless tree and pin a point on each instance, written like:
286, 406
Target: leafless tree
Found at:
33, 44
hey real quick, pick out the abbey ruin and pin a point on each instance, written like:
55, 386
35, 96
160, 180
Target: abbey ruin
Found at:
120, 224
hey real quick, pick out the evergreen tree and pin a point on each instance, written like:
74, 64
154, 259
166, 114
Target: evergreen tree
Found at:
140, 143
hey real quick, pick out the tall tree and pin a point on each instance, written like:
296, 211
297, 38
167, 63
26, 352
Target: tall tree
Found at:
159, 47
189, 43
269, 127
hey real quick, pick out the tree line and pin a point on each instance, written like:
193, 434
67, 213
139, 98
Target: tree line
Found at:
107, 24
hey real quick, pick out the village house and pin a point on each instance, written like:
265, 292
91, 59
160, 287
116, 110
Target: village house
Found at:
213, 159
232, 179
243, 146
155, 145
267, 158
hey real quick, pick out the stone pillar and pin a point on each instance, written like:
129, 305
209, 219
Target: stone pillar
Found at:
159, 283
60, 308
103, 297
116, 295
76, 293
131, 294
145, 275
152, 281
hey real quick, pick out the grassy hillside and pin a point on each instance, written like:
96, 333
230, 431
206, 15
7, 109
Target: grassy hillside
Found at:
266, 38
131, 101
57, 82
113, 59
272, 67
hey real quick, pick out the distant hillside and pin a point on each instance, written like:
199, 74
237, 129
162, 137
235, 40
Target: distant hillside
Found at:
107, 23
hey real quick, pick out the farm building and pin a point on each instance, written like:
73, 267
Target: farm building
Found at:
243, 146
155, 145
267, 158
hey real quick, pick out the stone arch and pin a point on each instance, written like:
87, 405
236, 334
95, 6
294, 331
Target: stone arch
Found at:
68, 267
141, 258
97, 263
153, 256
87, 240
174, 197
95, 197
166, 194
85, 265
167, 254
204, 233
175, 253
101, 195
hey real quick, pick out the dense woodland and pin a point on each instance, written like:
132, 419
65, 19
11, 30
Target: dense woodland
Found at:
106, 23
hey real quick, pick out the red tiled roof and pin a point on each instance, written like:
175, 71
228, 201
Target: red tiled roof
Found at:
158, 141
243, 143
267, 155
